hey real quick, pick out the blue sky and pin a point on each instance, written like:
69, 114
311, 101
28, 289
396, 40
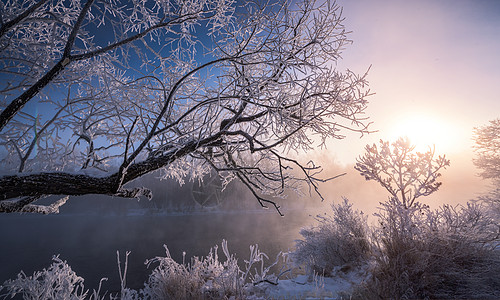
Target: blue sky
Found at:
436, 62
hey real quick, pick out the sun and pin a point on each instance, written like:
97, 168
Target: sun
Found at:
425, 130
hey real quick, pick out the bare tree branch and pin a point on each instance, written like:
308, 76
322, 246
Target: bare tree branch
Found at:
404, 174
182, 88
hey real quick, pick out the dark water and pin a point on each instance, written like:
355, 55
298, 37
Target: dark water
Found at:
89, 242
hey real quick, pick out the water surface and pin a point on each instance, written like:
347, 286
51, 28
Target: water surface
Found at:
89, 242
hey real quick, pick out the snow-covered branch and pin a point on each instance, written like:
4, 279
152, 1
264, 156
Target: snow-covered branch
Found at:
404, 174
183, 88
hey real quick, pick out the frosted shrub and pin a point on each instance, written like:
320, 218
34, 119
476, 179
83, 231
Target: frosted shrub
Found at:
202, 278
446, 253
492, 202
171, 280
206, 277
338, 239
56, 282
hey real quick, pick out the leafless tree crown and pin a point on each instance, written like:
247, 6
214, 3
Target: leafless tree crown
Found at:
487, 148
406, 175
97, 93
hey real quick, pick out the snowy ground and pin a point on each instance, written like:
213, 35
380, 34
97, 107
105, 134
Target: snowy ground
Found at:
314, 287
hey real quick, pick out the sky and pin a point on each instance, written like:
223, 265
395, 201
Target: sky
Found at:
435, 71
434, 63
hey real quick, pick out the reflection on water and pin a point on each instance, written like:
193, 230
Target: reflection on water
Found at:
89, 242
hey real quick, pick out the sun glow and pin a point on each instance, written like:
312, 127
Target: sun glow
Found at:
426, 131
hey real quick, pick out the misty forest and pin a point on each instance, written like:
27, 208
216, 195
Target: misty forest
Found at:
169, 150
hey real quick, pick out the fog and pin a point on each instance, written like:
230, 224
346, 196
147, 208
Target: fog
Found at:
89, 243
460, 184
90, 229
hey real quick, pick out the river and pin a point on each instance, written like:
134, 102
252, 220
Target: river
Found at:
88, 242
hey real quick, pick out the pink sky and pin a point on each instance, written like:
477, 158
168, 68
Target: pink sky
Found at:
437, 59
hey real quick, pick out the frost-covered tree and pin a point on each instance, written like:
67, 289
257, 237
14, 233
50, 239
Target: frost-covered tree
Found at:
487, 148
94, 94
405, 174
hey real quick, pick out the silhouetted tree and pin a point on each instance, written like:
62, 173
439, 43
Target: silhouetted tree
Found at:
404, 174
181, 86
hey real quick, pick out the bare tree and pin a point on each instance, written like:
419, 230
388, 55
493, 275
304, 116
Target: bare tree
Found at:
404, 174
487, 148
181, 86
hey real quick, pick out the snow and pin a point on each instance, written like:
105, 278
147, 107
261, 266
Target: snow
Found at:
340, 285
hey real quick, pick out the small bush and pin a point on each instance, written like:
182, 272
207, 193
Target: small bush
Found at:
59, 281
445, 253
338, 240
491, 201
202, 278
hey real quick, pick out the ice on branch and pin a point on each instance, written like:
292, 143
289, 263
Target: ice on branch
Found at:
188, 88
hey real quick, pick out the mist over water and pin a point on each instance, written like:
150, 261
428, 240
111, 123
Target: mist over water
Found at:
90, 229
88, 242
